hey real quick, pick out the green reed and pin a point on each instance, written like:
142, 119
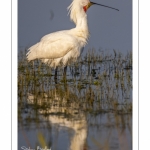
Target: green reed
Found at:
98, 82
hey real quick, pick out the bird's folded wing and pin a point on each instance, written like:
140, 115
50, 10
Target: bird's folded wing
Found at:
52, 46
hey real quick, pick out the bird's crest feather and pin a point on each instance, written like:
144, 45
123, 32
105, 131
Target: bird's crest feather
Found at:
76, 6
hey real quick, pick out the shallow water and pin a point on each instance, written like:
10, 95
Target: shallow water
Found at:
90, 109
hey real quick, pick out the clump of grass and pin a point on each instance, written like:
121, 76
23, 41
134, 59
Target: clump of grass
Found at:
107, 74
97, 83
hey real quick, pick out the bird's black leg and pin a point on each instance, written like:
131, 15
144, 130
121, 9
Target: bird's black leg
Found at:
65, 71
55, 77
56, 72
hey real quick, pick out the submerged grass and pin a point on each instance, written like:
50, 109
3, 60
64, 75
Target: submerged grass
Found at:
97, 83
103, 82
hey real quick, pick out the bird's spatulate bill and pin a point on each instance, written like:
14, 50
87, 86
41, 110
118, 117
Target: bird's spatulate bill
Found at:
92, 3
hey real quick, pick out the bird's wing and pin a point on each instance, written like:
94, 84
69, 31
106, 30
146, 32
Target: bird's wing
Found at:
51, 46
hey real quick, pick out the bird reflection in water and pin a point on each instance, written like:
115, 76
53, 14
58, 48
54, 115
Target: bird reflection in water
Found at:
63, 112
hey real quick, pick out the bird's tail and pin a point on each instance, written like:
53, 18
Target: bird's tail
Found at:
32, 52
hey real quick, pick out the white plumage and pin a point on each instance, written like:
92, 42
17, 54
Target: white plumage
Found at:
64, 46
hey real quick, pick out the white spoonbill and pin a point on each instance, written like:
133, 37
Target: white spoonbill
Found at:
62, 47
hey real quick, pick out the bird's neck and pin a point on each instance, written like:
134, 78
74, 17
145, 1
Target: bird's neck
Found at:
82, 27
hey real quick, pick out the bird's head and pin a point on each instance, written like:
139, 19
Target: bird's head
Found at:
87, 6
80, 7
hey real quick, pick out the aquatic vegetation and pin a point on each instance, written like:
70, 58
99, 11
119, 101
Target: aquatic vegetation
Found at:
97, 84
